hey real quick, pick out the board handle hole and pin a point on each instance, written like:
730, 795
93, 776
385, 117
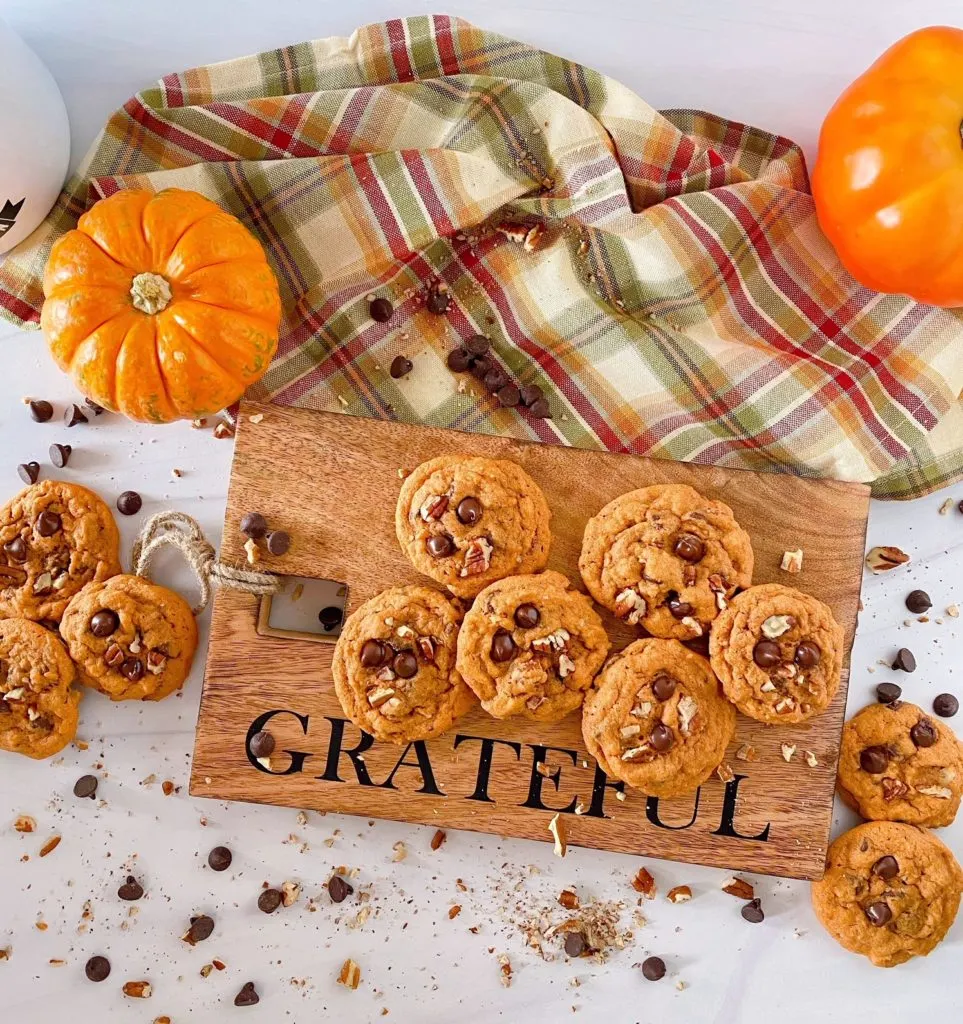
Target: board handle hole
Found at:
304, 609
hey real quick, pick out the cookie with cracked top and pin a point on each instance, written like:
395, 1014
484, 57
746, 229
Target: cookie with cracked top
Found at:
656, 718
778, 653
394, 665
55, 538
131, 639
467, 522
890, 893
897, 763
531, 646
38, 702
665, 558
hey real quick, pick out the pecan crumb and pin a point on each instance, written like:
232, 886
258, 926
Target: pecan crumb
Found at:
400, 851
738, 887
882, 559
454, 911
747, 753
49, 846
350, 975
568, 899
557, 827
725, 773
137, 989
505, 966
438, 838
644, 883
25, 823
788, 750
679, 894
792, 561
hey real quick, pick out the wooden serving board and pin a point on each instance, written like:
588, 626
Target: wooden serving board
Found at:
332, 481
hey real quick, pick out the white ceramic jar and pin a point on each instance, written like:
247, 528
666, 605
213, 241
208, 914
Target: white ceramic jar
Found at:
34, 139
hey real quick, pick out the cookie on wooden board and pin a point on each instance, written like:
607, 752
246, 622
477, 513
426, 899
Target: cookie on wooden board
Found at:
131, 639
394, 665
530, 646
897, 763
38, 703
665, 558
55, 538
656, 718
778, 653
891, 892
467, 522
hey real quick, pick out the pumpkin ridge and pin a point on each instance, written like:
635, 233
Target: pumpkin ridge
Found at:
203, 347
180, 238
79, 345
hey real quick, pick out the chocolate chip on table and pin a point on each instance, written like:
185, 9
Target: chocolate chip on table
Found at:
247, 996
253, 525
59, 455
530, 394
653, 968
202, 927
440, 545
477, 345
886, 868
662, 738
874, 760
132, 669
438, 302
129, 503
904, 660
262, 744
508, 396
459, 360
41, 411
527, 616
918, 601
766, 654
73, 415
405, 664
574, 944
374, 653
381, 310
16, 549
689, 548
503, 647
807, 654
96, 409
338, 889
104, 623
752, 911
48, 523
663, 686
85, 786
888, 693
469, 511
29, 472
97, 968
879, 914
330, 617
924, 733
946, 705
540, 409
219, 859
278, 542
400, 367
269, 901
131, 889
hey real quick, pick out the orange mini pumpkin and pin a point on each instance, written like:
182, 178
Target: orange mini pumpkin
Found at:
161, 306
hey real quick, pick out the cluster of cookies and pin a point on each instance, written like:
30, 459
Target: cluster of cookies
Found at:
663, 558
891, 889
68, 615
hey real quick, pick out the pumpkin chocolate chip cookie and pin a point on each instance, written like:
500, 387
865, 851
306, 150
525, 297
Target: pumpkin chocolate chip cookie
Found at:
530, 646
891, 892
656, 718
38, 704
665, 558
394, 665
55, 538
778, 653
467, 522
896, 763
130, 638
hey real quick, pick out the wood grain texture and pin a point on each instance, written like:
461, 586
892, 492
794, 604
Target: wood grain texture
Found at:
331, 481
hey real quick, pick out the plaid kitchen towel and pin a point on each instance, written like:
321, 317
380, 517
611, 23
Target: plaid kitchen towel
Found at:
680, 302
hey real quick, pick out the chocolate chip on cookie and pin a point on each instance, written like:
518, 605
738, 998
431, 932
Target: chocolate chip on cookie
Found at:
924, 734
503, 646
527, 616
888, 693
874, 760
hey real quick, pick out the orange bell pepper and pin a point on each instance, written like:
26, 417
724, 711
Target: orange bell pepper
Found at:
888, 179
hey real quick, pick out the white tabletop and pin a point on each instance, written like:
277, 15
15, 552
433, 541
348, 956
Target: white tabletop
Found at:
778, 64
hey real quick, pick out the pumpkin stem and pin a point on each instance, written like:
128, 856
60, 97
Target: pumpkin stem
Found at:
150, 293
